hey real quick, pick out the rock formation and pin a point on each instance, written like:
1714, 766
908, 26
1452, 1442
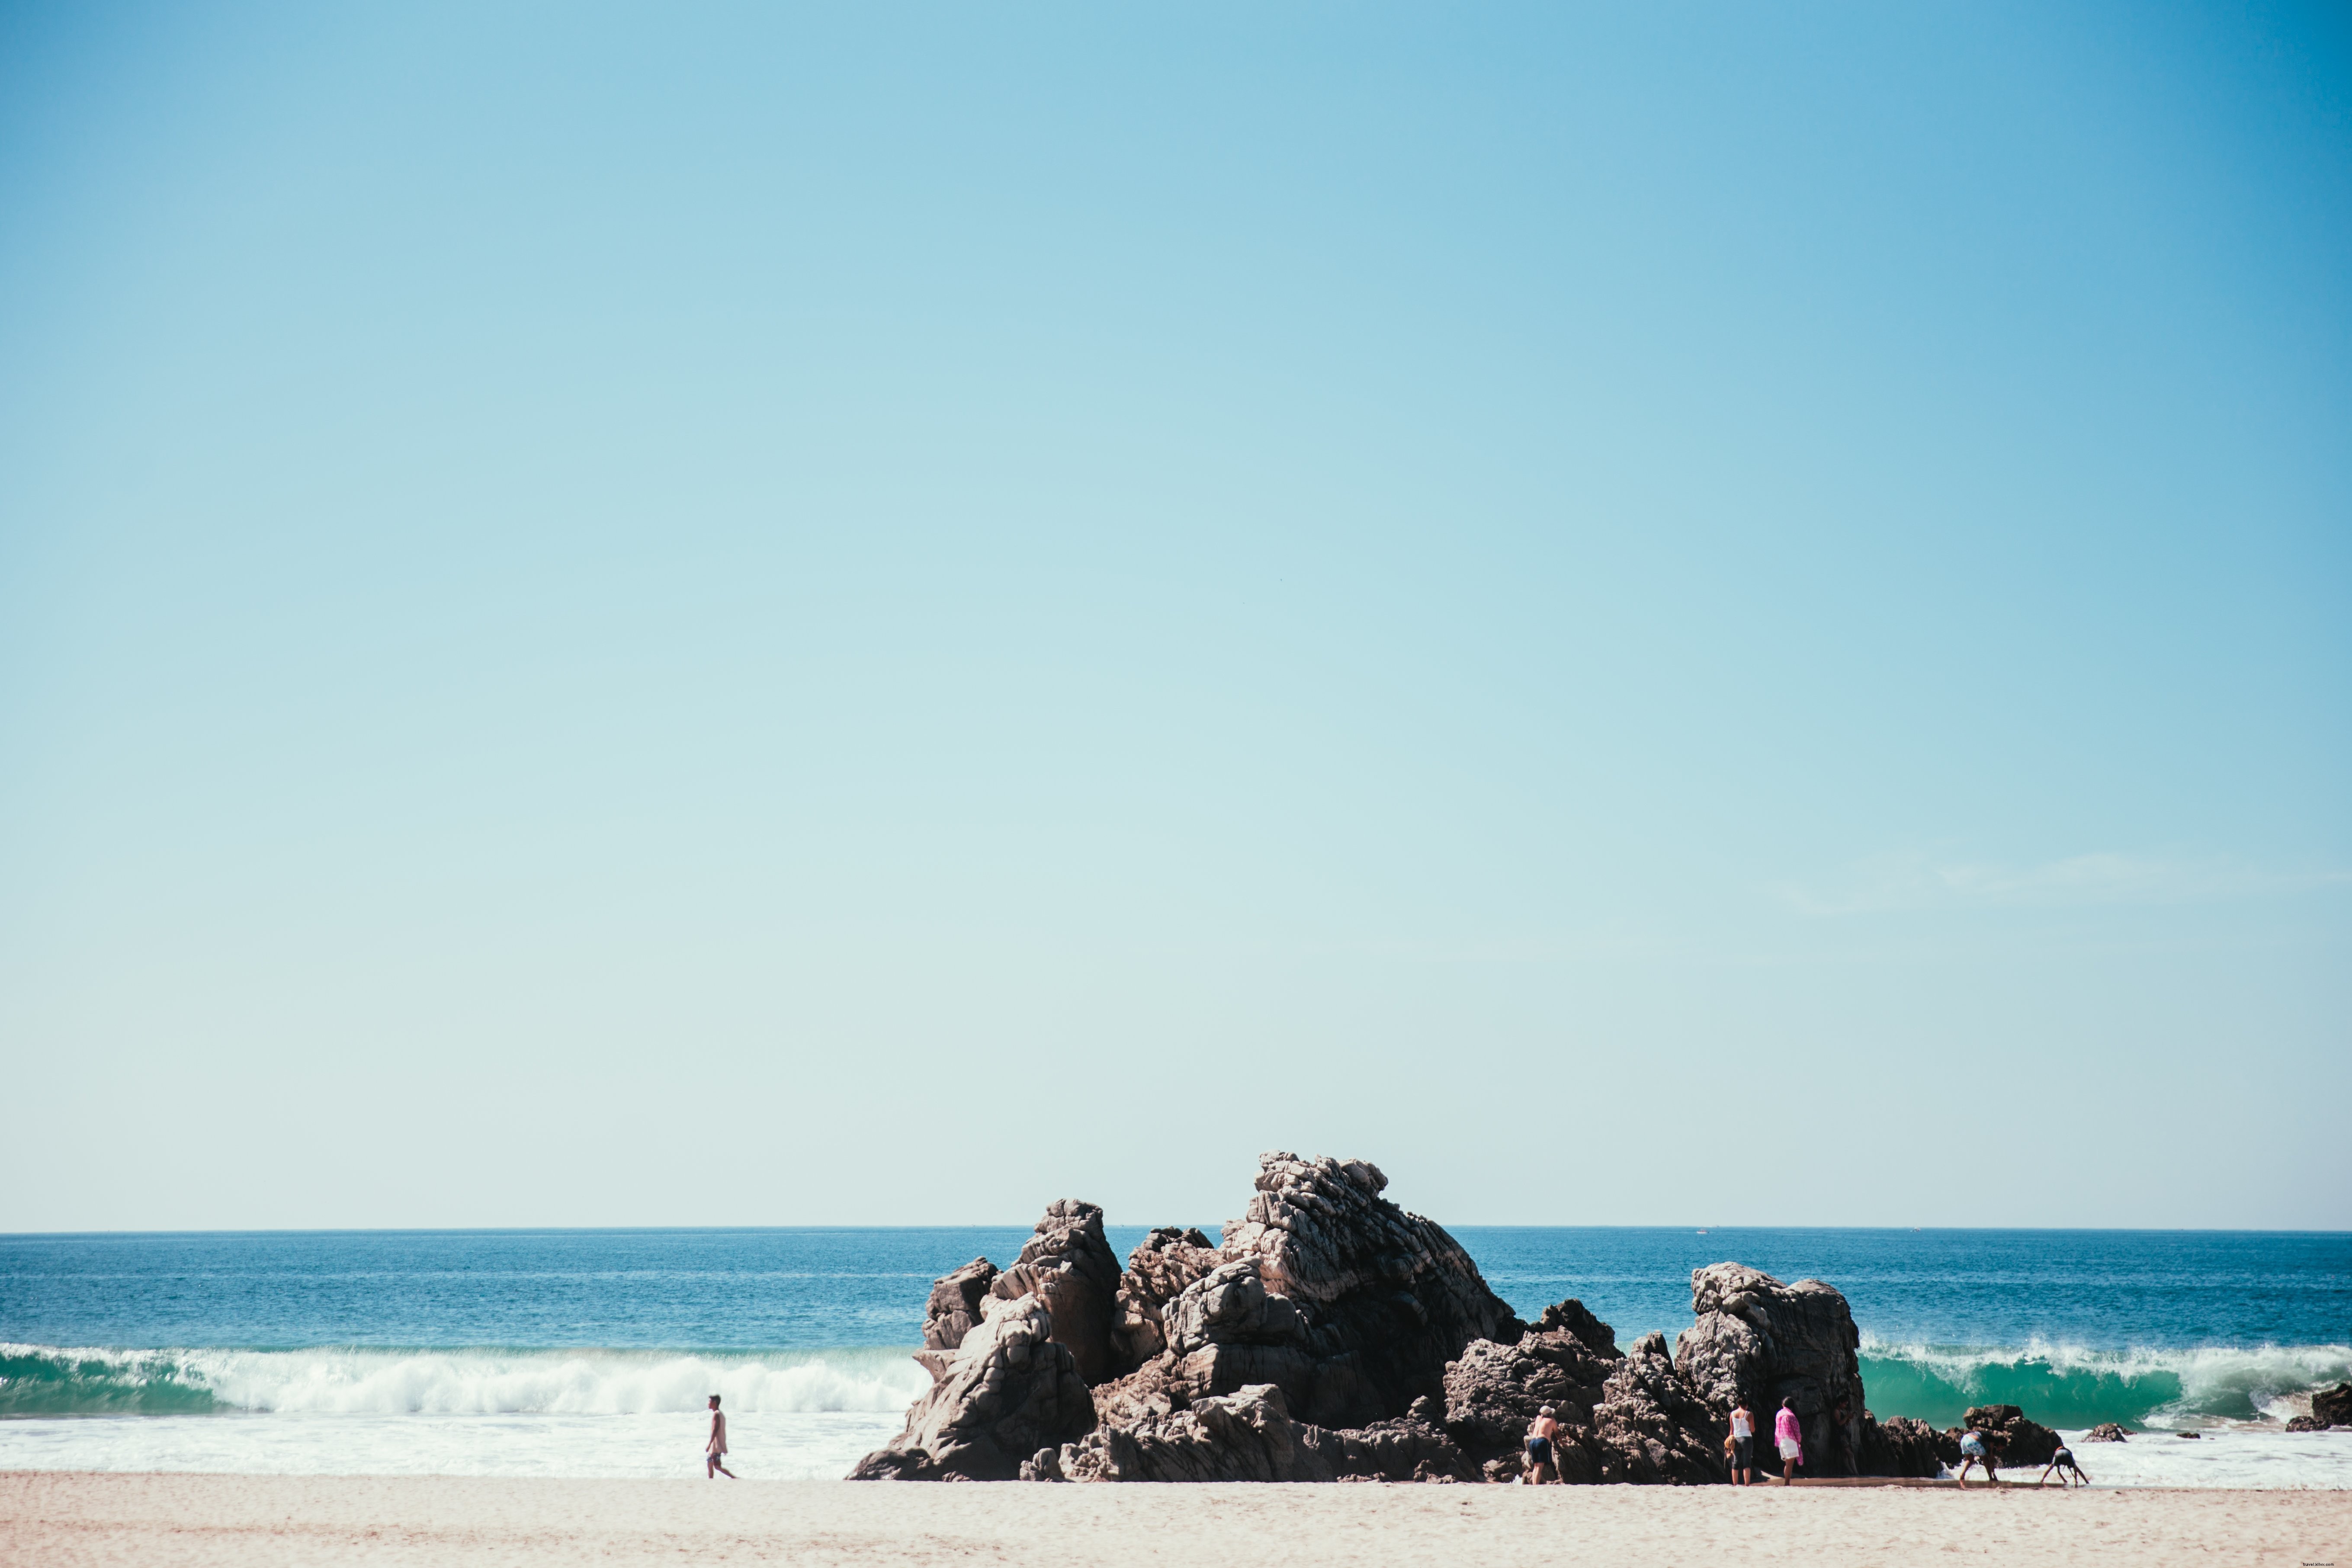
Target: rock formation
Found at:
1070, 1266
1157, 1273
2106, 1432
1762, 1341
2333, 1405
1249, 1436
1901, 1446
2016, 1442
1388, 1297
1007, 1390
1494, 1392
2305, 1424
952, 1312
1332, 1336
1326, 1298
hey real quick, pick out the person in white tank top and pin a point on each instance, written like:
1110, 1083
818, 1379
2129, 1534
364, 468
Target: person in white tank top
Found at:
1743, 1446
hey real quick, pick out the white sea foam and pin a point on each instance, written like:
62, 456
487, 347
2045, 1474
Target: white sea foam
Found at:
801, 1446
341, 1381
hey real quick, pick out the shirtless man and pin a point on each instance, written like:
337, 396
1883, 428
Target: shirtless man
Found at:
1743, 1446
1973, 1453
1540, 1433
714, 1453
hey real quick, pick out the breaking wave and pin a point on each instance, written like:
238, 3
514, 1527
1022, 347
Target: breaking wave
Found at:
49, 1380
2072, 1387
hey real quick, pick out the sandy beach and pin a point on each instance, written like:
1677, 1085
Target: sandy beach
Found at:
77, 1518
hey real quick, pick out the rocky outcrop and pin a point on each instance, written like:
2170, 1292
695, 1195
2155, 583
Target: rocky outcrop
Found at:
1900, 1447
952, 1312
1651, 1425
1250, 1436
1495, 1392
1761, 1342
1389, 1298
1008, 1389
1333, 1336
2014, 1442
1312, 1345
2333, 1405
2106, 1432
1070, 1266
1228, 1331
1157, 1272
2305, 1424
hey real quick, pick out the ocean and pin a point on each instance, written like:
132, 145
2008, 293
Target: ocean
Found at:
589, 1353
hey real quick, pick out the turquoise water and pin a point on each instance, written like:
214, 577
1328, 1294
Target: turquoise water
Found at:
2077, 1327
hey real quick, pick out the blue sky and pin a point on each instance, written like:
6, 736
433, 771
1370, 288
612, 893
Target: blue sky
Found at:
724, 615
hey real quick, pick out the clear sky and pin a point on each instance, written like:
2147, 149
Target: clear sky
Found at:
706, 614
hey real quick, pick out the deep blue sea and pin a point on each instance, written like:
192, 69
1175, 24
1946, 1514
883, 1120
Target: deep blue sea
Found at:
519, 1350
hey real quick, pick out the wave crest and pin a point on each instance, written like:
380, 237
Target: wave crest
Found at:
48, 1380
2071, 1386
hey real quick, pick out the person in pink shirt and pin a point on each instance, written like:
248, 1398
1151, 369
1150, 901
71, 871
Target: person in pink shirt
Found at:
1789, 1434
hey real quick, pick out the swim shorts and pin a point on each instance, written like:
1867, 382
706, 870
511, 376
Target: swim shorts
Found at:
1791, 1449
1540, 1450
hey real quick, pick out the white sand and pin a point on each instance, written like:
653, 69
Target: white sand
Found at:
67, 1518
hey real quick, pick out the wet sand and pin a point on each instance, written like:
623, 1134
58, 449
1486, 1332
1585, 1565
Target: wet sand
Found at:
69, 1518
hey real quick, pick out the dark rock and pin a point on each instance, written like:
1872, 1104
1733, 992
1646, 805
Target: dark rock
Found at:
1009, 1390
2192, 1436
1157, 1272
1070, 1266
1900, 1447
1760, 1341
1227, 1332
2014, 1442
1152, 1389
2305, 1424
2106, 1432
952, 1312
2334, 1406
1651, 1426
1495, 1392
1389, 1297
1231, 1305
1575, 1319
1249, 1436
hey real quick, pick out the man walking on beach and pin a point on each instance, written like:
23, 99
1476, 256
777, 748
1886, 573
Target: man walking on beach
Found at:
714, 1453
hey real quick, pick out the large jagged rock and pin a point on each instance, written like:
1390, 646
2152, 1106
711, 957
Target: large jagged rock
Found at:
1155, 1388
1228, 1331
952, 1312
1009, 1389
1250, 1436
1069, 1265
2106, 1432
2333, 1405
1389, 1297
1495, 1392
1899, 1447
1649, 1427
1760, 1341
2015, 1442
1157, 1272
